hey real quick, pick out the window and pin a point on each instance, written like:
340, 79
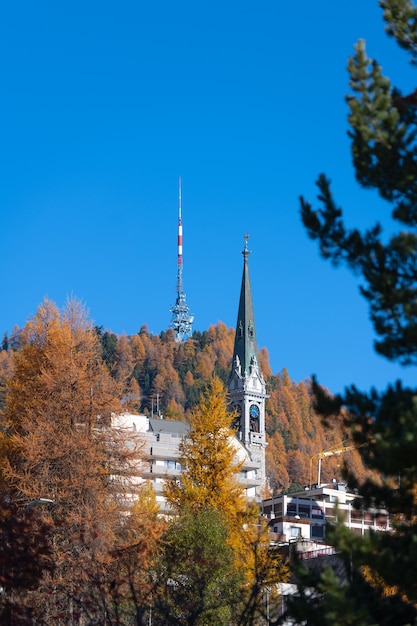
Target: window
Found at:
172, 465
291, 510
368, 516
295, 531
254, 426
278, 509
316, 512
304, 510
317, 531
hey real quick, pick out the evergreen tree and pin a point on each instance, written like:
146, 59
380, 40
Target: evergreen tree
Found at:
381, 582
5, 342
109, 346
197, 584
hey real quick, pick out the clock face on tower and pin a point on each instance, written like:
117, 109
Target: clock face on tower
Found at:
254, 418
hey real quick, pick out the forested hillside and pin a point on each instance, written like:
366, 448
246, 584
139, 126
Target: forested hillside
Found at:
159, 375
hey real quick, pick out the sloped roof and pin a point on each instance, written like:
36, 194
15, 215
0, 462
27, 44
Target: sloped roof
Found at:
172, 427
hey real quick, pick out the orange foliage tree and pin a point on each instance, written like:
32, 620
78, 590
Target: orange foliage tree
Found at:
57, 444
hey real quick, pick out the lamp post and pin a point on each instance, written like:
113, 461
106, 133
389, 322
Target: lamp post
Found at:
37, 503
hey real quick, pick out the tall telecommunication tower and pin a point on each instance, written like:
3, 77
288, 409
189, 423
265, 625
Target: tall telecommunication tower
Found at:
182, 321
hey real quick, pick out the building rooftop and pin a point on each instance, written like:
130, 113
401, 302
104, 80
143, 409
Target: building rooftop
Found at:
171, 427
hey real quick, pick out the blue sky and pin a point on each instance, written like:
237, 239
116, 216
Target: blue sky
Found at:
104, 105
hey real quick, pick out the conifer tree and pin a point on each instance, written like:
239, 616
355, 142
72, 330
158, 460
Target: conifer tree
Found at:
121, 589
381, 585
209, 476
57, 445
197, 583
208, 489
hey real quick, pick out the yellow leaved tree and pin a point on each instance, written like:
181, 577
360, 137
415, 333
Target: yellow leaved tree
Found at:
210, 469
209, 482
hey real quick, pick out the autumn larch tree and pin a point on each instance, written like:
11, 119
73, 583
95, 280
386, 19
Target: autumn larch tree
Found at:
121, 589
57, 444
208, 457
26, 554
381, 585
209, 486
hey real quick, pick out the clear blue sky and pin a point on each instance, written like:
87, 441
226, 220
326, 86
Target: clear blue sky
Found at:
103, 105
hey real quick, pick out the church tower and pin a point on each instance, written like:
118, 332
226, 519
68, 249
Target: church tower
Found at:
246, 385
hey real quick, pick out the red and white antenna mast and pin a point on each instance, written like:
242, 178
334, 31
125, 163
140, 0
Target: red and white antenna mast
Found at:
179, 267
181, 319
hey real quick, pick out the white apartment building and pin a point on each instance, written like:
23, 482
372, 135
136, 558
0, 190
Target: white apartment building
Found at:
304, 515
160, 440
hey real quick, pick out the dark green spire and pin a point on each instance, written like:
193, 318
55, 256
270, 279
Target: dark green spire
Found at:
245, 341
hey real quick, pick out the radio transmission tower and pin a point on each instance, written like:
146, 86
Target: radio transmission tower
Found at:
182, 321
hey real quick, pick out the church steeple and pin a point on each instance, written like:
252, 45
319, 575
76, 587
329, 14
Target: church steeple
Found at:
246, 385
245, 350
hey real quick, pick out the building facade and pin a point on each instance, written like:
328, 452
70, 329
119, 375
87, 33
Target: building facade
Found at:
160, 442
304, 515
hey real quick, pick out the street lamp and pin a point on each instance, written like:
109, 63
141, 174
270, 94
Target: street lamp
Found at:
37, 503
